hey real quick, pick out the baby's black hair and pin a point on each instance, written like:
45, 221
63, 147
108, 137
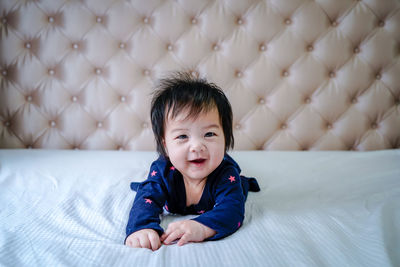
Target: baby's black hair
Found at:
182, 91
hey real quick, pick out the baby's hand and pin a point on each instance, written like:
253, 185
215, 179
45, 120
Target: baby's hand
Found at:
145, 238
186, 231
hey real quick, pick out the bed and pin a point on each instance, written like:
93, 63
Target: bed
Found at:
315, 93
69, 208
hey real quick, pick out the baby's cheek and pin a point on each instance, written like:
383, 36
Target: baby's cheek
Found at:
175, 154
219, 154
178, 162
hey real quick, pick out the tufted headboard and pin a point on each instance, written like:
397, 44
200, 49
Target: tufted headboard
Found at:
300, 74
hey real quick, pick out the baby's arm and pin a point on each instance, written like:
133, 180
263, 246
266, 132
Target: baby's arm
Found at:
143, 228
186, 231
145, 238
228, 212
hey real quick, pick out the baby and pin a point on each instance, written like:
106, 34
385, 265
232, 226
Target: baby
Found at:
192, 124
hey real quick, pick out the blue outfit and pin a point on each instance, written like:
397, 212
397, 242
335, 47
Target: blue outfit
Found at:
221, 206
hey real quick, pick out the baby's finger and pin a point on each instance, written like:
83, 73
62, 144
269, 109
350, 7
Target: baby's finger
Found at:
171, 228
144, 242
134, 243
128, 243
173, 236
154, 242
184, 240
163, 237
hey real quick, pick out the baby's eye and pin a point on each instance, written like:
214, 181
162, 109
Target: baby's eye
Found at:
182, 137
210, 134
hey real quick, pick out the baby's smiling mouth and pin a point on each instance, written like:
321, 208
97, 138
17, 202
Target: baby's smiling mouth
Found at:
197, 161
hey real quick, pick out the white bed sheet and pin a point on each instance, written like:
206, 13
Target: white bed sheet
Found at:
69, 208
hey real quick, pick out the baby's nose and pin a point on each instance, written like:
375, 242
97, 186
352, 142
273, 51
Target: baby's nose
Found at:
197, 146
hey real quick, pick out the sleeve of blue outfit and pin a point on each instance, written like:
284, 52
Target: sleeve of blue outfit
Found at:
228, 213
148, 204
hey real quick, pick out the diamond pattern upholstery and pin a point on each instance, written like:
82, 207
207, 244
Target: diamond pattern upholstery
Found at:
300, 74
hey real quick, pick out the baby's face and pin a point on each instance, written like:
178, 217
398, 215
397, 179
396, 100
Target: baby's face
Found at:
195, 147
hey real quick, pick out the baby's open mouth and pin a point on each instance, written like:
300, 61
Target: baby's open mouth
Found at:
198, 161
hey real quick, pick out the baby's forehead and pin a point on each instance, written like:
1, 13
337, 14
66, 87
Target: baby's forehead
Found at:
188, 115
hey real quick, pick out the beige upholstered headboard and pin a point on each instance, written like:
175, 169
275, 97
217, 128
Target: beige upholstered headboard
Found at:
300, 74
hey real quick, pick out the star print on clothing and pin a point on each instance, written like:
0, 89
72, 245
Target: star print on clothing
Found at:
172, 168
153, 173
148, 200
232, 178
201, 212
238, 224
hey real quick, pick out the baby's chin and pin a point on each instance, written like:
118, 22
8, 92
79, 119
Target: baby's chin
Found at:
199, 172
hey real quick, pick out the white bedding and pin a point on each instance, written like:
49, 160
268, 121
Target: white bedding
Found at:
69, 208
